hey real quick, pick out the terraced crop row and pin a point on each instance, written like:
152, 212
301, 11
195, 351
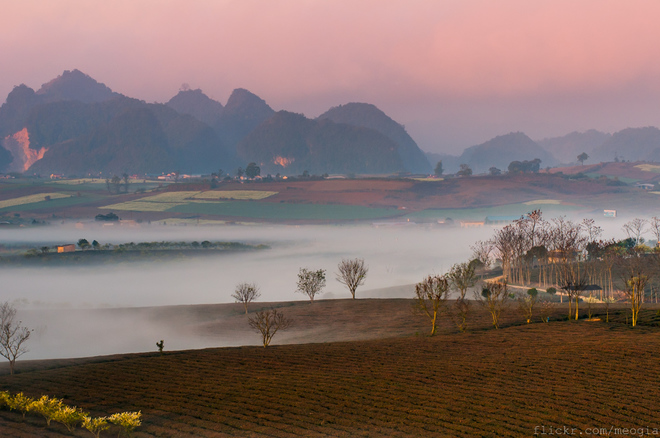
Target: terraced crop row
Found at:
484, 383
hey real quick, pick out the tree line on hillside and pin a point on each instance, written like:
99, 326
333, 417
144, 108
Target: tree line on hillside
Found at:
515, 167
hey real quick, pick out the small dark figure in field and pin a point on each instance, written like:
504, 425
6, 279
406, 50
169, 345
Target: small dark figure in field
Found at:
160, 346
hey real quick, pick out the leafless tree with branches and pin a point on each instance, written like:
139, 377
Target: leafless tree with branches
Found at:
246, 293
635, 228
431, 295
635, 278
13, 335
462, 277
268, 323
494, 296
352, 273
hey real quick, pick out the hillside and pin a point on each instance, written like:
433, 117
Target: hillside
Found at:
291, 143
243, 112
482, 383
117, 136
631, 144
369, 116
198, 105
566, 148
502, 150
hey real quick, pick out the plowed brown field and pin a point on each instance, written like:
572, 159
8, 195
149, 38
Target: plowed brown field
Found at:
485, 383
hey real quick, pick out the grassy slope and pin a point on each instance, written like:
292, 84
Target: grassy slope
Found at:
483, 383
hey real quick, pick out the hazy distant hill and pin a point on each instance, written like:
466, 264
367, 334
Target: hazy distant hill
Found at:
631, 144
198, 105
243, 112
73, 124
75, 85
291, 143
369, 116
502, 150
131, 142
134, 138
566, 148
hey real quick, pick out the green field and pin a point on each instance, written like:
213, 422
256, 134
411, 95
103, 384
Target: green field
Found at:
620, 178
282, 211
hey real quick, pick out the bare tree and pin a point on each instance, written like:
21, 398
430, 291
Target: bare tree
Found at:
246, 293
574, 284
462, 278
481, 251
352, 273
594, 231
635, 228
431, 295
655, 229
635, 277
268, 322
310, 282
526, 303
494, 296
13, 335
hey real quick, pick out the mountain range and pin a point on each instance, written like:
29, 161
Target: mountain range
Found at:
630, 144
76, 125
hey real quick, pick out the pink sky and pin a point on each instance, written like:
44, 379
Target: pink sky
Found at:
455, 72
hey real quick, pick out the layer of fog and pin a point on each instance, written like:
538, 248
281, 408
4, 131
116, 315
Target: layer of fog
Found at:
76, 310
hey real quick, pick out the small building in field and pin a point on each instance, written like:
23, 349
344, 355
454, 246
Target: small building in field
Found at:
66, 248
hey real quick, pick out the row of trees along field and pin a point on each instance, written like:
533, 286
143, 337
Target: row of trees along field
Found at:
572, 257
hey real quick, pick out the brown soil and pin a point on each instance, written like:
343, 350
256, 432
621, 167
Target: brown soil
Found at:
486, 382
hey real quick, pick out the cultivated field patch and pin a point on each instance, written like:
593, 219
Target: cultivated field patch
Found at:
140, 205
68, 182
234, 194
31, 199
649, 167
186, 221
543, 202
182, 196
284, 211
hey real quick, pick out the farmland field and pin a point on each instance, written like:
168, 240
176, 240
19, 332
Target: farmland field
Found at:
486, 383
31, 199
234, 194
347, 199
283, 211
